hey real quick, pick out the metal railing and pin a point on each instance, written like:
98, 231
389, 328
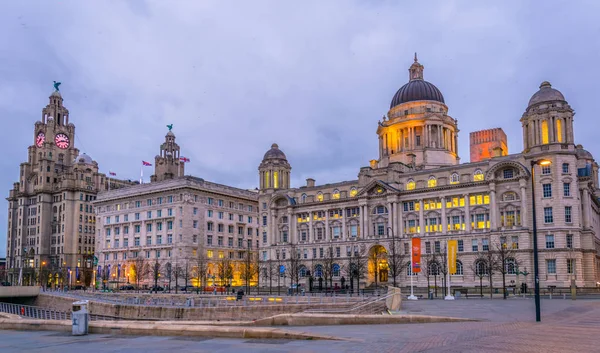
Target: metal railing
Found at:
36, 312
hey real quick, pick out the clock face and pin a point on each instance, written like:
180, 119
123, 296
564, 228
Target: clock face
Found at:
62, 141
39, 140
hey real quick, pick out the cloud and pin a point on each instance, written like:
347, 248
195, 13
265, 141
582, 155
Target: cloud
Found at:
315, 77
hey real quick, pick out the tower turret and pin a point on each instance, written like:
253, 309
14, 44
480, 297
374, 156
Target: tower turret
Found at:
274, 170
167, 165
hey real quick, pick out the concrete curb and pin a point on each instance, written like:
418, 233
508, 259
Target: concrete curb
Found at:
163, 329
348, 319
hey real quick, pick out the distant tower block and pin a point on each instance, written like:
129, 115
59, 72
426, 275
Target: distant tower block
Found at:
486, 144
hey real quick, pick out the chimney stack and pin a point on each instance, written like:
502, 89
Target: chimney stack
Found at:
310, 182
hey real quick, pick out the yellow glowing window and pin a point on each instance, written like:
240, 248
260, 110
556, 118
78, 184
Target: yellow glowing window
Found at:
267, 184
448, 204
336, 194
221, 255
478, 176
276, 180
353, 192
486, 199
432, 182
559, 131
410, 185
319, 197
209, 254
544, 132
417, 206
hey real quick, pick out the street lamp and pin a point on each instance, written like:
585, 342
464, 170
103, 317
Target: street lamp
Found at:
536, 270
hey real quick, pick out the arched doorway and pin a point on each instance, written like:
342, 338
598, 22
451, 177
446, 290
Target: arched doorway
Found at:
378, 265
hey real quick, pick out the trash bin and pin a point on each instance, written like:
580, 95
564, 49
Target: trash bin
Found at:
80, 318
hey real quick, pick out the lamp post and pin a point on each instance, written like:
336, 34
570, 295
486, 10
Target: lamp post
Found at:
536, 270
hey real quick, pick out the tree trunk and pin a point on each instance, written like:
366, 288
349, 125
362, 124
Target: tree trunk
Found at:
491, 288
503, 285
481, 286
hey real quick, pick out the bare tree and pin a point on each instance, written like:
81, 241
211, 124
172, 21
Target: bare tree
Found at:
328, 262
155, 271
295, 265
492, 265
267, 268
357, 266
169, 273
505, 262
249, 270
225, 271
479, 267
200, 268
185, 271
397, 260
139, 266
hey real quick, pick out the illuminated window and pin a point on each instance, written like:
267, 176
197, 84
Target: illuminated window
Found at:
479, 199
410, 185
336, 194
320, 197
267, 184
544, 132
432, 182
478, 176
221, 255
353, 192
276, 180
454, 178
559, 131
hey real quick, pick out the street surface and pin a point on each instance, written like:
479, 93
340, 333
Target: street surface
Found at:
508, 326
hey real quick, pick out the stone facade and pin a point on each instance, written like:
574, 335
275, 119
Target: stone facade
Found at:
181, 223
51, 219
418, 189
486, 144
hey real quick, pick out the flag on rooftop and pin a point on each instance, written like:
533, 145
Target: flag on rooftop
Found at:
184, 159
146, 164
112, 173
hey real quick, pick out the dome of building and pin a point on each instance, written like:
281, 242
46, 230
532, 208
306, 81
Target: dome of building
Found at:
417, 90
583, 153
83, 158
546, 94
274, 153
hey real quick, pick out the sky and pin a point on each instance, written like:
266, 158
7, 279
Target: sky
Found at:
233, 77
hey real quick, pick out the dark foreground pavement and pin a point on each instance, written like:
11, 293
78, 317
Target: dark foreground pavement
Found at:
567, 326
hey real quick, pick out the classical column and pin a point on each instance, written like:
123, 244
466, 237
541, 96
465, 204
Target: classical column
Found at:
467, 213
493, 207
585, 198
400, 226
273, 228
327, 232
421, 218
444, 218
311, 236
293, 226
523, 187
550, 124
361, 220
344, 235
390, 216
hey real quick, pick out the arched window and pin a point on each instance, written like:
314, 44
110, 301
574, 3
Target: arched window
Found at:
544, 132
320, 196
432, 182
433, 269
267, 178
353, 192
303, 197
510, 266
509, 196
336, 194
410, 184
459, 268
318, 271
478, 175
559, 131
380, 210
302, 272
454, 178
276, 180
481, 268
336, 270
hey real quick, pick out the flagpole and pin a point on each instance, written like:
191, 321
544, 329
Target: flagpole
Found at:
109, 181
142, 174
412, 294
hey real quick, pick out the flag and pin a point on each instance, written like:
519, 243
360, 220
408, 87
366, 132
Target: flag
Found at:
452, 249
146, 164
416, 255
112, 173
184, 159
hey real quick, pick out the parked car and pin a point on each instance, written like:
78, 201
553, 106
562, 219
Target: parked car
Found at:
127, 287
5, 284
156, 289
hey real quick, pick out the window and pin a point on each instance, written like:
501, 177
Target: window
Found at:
481, 268
549, 241
264, 236
515, 242
209, 239
170, 225
565, 168
170, 212
478, 175
438, 247
320, 196
354, 231
454, 178
210, 213
148, 240
485, 245
136, 228
459, 268
195, 211
461, 246
336, 194
410, 184
510, 266
169, 238
159, 200
548, 218
568, 218
209, 201
551, 265
547, 190
149, 227
427, 247
136, 241
195, 224
569, 241
567, 189
137, 217
474, 245
159, 239
264, 220
380, 228
209, 254
546, 169
149, 202
138, 204
508, 173
353, 192
570, 266
431, 182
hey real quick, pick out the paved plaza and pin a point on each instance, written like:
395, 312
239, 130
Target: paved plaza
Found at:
507, 326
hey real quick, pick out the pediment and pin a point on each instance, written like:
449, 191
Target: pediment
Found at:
376, 188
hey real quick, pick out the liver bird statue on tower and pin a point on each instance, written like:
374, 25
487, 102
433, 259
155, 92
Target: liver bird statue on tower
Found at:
56, 84
170, 126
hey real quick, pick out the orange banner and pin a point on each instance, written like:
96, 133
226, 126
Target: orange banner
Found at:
416, 255
452, 250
